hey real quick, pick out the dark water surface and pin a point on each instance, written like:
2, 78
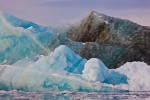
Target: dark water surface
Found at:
21, 95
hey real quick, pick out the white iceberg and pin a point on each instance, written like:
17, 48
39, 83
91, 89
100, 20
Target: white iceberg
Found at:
138, 75
95, 70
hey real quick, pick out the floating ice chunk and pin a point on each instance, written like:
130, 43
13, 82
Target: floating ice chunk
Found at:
95, 70
138, 75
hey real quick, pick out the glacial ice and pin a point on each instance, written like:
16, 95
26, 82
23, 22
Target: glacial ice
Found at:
21, 42
17, 43
64, 70
25, 39
20, 39
63, 58
45, 73
26, 61
95, 70
138, 75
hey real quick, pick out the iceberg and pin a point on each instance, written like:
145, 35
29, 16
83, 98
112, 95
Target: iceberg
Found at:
138, 75
132, 76
63, 58
95, 70
64, 70
47, 73
17, 43
26, 61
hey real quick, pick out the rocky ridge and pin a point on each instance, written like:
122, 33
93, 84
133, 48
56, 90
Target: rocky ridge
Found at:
113, 40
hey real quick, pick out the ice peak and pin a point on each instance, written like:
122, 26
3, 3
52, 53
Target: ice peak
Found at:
66, 51
5, 15
63, 49
95, 70
94, 12
75, 63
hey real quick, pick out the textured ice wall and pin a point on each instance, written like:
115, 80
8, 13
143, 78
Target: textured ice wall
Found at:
17, 43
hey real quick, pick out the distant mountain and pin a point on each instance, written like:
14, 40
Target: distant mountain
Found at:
113, 40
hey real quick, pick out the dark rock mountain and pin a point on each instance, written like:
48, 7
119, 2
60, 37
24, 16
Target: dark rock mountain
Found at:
113, 40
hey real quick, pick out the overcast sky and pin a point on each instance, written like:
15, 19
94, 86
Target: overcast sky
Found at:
58, 12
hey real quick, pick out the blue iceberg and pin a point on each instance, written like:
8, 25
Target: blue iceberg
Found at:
64, 70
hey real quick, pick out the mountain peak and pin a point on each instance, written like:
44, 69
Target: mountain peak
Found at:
95, 14
102, 33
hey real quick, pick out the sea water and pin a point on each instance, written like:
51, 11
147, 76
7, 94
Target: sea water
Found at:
66, 95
